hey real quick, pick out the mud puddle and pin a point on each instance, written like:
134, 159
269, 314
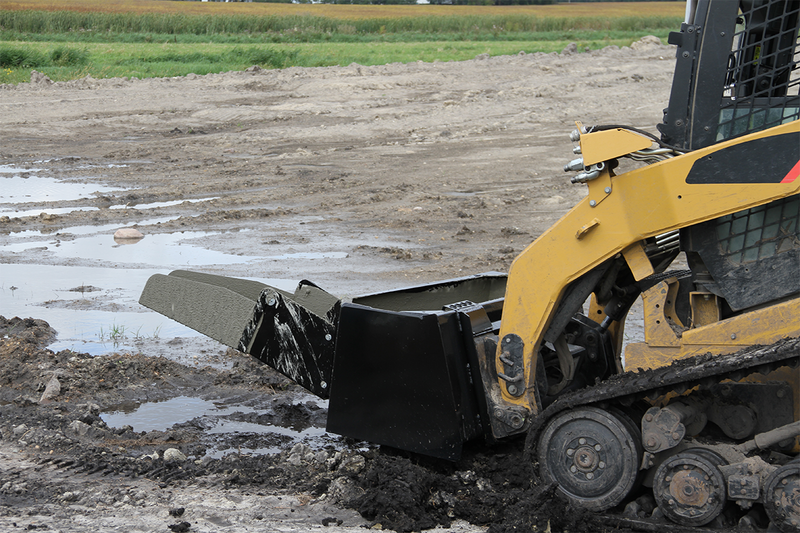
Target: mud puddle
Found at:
95, 310
170, 250
259, 426
23, 186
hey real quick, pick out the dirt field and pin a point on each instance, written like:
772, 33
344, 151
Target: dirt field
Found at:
357, 178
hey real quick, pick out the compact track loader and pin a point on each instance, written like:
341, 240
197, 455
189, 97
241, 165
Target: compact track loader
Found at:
704, 411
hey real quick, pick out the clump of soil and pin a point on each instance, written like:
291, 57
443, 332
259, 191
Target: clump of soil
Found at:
494, 487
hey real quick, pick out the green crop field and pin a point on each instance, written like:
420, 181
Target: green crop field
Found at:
144, 38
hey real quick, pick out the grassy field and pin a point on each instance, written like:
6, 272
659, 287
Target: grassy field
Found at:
74, 38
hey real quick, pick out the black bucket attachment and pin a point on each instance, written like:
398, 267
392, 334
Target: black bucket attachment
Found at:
400, 367
292, 333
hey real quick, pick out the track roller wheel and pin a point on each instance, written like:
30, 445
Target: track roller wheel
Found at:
592, 455
689, 488
782, 497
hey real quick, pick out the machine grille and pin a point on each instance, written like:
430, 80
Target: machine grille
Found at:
762, 86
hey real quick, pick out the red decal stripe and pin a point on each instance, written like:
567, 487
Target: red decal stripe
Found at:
793, 174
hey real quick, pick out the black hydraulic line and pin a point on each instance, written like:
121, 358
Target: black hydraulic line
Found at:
647, 134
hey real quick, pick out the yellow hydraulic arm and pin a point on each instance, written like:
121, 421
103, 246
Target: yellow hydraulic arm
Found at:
617, 214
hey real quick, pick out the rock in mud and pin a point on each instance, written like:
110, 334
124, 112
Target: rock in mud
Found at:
128, 234
52, 390
173, 454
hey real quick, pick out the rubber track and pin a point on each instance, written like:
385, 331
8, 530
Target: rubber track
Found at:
642, 524
679, 377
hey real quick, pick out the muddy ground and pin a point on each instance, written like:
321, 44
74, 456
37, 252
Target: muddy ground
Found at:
358, 178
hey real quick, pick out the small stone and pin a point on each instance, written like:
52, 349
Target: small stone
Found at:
353, 464
181, 527
70, 496
632, 510
173, 454
128, 234
52, 390
79, 428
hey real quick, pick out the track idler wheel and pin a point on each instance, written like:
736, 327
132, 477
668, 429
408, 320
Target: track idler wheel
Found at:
782, 497
592, 455
689, 488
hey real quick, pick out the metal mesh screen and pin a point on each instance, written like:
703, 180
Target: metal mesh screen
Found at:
762, 86
760, 232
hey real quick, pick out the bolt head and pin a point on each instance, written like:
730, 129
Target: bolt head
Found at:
328, 336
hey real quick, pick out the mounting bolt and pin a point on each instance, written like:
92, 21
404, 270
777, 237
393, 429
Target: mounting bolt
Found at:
271, 302
324, 385
592, 203
733, 336
512, 389
607, 190
328, 336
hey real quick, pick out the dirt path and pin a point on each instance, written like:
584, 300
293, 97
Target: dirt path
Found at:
357, 178
419, 171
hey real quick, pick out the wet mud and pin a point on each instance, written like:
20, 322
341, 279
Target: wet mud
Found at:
492, 487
